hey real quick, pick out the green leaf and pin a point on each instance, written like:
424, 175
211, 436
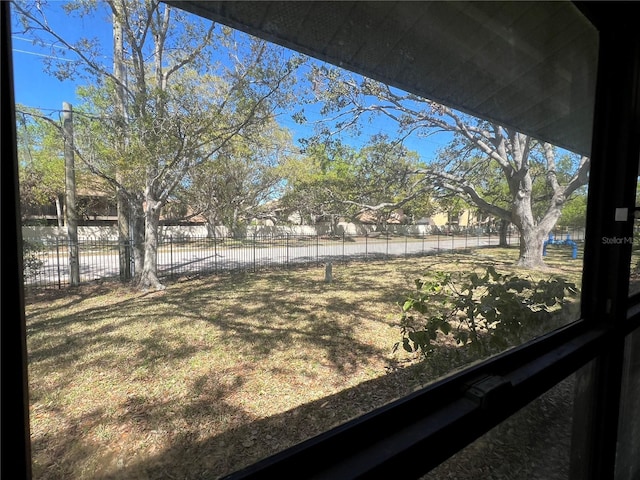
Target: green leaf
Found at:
492, 311
492, 272
407, 305
462, 337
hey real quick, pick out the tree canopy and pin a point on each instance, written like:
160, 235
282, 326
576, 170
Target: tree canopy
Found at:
179, 92
238, 184
41, 165
332, 180
532, 187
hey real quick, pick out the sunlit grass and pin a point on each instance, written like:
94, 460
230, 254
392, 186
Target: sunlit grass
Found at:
216, 372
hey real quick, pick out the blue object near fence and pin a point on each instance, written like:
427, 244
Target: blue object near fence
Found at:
567, 242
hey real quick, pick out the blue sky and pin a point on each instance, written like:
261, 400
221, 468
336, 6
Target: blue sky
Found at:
35, 88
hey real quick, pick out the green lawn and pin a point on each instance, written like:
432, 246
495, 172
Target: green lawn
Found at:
217, 372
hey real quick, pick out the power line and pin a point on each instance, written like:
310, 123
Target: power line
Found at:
40, 42
42, 55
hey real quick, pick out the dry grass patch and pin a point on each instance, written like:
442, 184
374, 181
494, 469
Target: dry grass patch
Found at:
215, 373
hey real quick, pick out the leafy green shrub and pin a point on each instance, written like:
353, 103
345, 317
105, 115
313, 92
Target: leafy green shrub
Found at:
488, 313
32, 263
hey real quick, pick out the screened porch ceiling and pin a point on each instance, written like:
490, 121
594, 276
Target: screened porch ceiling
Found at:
526, 65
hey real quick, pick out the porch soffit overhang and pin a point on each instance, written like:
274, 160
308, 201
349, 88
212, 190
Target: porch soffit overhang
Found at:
526, 65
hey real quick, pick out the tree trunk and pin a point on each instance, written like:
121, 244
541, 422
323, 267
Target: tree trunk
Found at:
149, 278
531, 244
533, 233
137, 217
334, 225
70, 195
532, 237
211, 228
59, 212
504, 232
124, 240
212, 222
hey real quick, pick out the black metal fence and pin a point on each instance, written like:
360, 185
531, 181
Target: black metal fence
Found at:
47, 264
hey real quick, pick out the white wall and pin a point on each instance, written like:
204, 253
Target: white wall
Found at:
50, 234
106, 233
281, 230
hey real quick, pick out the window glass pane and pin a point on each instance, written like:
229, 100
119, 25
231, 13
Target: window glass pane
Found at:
627, 463
534, 443
264, 246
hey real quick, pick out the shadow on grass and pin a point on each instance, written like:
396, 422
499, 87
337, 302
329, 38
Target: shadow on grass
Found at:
294, 320
532, 441
298, 322
286, 316
282, 312
138, 417
250, 440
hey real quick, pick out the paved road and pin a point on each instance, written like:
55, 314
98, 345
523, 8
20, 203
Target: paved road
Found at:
179, 259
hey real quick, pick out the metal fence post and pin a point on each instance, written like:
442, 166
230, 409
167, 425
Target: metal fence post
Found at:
170, 257
215, 251
129, 256
255, 241
58, 261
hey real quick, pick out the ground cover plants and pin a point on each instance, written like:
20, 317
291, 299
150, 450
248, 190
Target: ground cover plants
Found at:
216, 372
486, 312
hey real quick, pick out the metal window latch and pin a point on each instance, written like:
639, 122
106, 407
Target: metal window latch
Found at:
485, 390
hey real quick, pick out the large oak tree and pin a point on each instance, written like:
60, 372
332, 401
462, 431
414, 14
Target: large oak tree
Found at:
180, 91
525, 165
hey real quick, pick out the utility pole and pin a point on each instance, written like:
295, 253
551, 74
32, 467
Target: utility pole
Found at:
124, 243
71, 213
